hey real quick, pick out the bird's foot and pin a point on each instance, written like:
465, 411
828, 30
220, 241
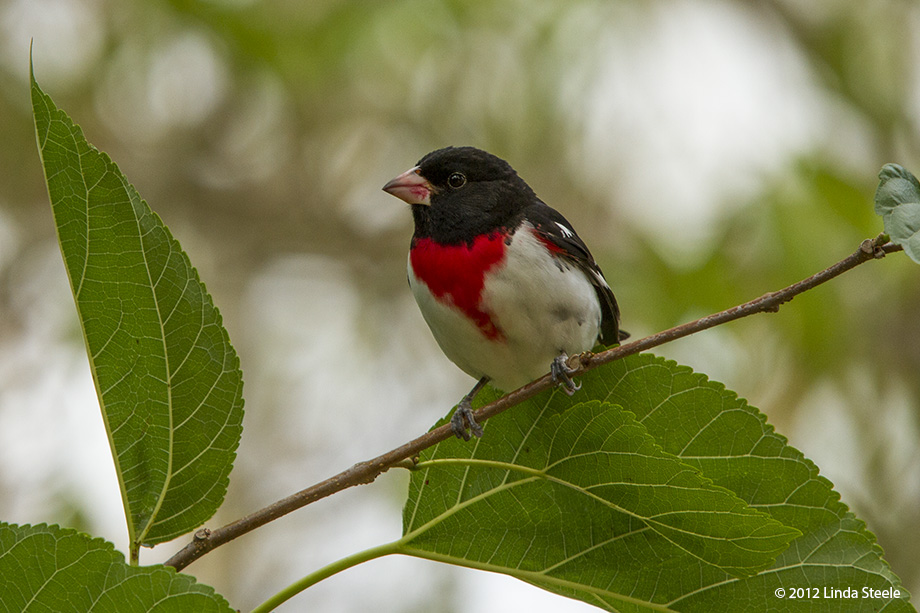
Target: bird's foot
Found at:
462, 422
561, 374
463, 419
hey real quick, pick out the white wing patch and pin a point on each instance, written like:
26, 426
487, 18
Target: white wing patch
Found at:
600, 278
565, 231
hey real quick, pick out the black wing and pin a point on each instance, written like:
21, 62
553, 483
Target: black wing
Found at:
551, 226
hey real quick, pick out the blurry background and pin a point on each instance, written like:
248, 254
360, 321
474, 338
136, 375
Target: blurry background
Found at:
707, 151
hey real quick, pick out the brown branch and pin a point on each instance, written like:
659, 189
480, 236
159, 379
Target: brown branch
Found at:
366, 472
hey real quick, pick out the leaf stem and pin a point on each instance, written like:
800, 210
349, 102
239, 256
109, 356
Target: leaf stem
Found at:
400, 547
326, 572
367, 472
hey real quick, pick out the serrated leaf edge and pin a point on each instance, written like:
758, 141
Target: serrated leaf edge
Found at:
136, 536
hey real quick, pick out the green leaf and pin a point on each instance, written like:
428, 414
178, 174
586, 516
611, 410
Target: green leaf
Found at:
52, 569
897, 200
713, 429
600, 468
673, 503
168, 380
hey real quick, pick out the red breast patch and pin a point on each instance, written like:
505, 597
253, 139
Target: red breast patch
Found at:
456, 273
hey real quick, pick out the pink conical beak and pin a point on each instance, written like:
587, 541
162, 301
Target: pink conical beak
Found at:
411, 187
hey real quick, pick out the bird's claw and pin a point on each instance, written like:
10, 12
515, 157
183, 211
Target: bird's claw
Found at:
561, 372
462, 422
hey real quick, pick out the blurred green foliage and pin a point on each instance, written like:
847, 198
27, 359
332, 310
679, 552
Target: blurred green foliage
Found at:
309, 107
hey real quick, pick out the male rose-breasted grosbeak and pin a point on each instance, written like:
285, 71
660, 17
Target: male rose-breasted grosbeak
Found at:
507, 287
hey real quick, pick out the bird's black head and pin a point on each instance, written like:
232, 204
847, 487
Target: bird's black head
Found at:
458, 193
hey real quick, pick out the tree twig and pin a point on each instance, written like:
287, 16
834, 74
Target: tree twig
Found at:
205, 540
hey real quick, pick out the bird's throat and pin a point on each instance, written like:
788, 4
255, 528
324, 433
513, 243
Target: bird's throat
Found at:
455, 274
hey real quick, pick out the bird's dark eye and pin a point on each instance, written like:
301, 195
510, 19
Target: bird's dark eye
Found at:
456, 180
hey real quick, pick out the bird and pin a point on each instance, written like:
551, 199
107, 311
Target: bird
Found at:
505, 284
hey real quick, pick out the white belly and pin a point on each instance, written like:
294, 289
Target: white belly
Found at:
540, 306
